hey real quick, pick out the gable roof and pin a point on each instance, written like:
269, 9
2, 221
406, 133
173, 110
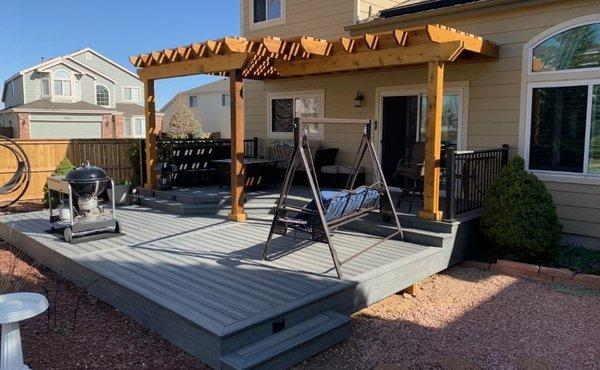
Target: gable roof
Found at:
48, 106
88, 49
70, 57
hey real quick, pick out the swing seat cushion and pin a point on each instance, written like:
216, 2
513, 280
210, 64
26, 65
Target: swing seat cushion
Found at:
339, 204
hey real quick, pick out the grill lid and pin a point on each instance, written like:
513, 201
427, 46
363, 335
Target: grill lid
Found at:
86, 174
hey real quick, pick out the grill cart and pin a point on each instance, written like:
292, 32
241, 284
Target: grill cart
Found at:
78, 212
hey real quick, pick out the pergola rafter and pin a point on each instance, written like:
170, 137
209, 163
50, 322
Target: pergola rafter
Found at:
283, 54
269, 58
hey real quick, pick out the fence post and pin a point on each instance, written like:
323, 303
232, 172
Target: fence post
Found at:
504, 154
255, 148
450, 182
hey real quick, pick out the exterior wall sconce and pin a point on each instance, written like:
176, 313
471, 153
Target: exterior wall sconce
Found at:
358, 99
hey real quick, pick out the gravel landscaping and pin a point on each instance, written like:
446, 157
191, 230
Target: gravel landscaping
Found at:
470, 319
461, 319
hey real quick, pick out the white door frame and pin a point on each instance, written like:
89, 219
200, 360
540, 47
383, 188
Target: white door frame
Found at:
461, 87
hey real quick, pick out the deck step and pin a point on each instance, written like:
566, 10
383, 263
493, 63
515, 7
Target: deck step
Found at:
175, 207
412, 235
292, 345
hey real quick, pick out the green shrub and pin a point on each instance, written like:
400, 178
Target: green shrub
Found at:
519, 216
134, 160
64, 167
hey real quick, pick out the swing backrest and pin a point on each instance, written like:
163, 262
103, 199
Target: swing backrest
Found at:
15, 181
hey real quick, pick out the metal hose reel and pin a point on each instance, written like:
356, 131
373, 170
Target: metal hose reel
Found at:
17, 185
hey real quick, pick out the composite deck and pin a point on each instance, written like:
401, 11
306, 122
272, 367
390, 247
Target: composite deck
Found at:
200, 282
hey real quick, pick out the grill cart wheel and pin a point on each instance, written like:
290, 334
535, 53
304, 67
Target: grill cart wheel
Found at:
68, 234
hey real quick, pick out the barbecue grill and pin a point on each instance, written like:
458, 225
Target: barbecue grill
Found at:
79, 212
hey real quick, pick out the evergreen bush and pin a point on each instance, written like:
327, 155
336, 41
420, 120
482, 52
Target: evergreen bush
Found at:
64, 167
519, 216
183, 124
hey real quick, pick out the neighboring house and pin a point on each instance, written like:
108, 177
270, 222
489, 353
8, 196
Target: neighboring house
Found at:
540, 97
210, 105
80, 95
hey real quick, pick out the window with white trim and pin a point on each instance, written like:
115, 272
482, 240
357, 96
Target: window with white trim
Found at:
451, 118
193, 101
131, 94
45, 87
62, 83
562, 130
267, 10
225, 100
284, 107
135, 126
102, 96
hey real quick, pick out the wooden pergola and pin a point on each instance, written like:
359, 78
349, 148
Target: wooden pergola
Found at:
271, 58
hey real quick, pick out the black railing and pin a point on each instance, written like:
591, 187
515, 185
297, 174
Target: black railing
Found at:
468, 176
169, 147
193, 158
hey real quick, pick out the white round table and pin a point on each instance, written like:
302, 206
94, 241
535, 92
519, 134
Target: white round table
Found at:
15, 307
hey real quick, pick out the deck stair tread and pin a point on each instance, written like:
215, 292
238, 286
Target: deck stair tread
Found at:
292, 345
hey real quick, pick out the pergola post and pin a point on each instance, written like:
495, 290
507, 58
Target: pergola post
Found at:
149, 102
237, 146
433, 143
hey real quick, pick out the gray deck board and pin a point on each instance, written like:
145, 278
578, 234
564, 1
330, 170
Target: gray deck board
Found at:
209, 271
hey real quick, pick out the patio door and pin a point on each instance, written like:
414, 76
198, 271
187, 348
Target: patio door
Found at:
403, 123
399, 130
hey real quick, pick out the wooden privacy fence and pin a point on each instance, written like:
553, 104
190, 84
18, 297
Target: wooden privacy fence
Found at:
44, 155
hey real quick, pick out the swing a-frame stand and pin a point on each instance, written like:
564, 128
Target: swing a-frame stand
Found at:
320, 218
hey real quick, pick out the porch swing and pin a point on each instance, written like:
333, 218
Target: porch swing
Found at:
329, 210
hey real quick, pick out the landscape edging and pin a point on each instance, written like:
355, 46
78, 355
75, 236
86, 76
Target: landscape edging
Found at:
536, 272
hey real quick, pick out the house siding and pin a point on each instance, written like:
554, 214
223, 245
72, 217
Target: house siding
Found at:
494, 93
10, 120
322, 19
212, 114
32, 86
120, 77
17, 99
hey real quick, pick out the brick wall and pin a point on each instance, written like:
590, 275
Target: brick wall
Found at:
24, 126
119, 128
107, 126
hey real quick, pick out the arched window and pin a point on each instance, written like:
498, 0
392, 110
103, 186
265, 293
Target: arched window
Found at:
575, 48
562, 106
102, 96
62, 83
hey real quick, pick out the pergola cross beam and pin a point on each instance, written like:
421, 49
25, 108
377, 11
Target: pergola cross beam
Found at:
270, 58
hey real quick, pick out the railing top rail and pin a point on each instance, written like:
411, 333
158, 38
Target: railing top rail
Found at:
467, 152
337, 121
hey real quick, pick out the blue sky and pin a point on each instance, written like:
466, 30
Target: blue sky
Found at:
34, 29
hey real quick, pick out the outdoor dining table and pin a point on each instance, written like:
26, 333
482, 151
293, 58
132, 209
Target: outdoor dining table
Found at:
258, 171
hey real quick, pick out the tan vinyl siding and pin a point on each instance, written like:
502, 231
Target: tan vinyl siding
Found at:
323, 19
494, 91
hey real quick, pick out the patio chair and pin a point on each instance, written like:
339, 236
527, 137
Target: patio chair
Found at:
409, 173
282, 153
322, 157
